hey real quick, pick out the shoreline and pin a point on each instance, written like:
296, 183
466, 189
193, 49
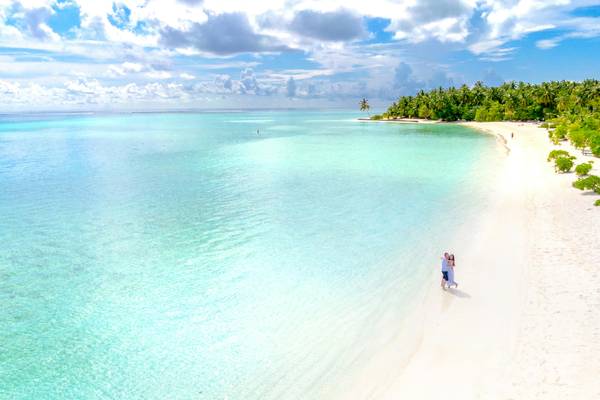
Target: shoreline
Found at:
530, 328
403, 120
523, 323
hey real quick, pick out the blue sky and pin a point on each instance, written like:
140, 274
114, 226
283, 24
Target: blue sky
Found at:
188, 54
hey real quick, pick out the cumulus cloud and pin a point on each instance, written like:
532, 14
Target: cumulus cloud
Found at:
440, 79
223, 34
195, 42
125, 68
291, 87
84, 91
248, 82
445, 21
492, 78
226, 28
32, 19
36, 22
158, 74
226, 82
186, 76
339, 25
508, 21
405, 83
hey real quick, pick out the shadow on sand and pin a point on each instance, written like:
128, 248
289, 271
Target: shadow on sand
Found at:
458, 293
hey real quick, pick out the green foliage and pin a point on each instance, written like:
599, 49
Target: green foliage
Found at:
595, 144
583, 169
579, 137
581, 128
571, 110
364, 105
554, 154
469, 113
597, 203
591, 182
563, 164
377, 117
424, 111
558, 133
509, 101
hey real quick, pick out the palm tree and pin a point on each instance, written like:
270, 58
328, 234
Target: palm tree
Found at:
364, 105
565, 104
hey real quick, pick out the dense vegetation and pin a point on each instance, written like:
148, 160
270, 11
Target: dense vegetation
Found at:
583, 169
590, 182
563, 162
571, 110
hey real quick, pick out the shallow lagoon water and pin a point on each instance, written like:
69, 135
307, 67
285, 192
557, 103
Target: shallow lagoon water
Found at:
186, 256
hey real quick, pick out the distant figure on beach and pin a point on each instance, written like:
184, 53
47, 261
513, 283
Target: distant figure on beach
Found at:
257, 132
445, 267
512, 135
451, 265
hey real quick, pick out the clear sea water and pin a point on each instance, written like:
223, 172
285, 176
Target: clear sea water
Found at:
186, 256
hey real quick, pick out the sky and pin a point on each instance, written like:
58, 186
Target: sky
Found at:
214, 54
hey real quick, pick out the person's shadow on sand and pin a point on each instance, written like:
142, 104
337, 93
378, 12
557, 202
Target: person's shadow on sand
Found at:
458, 293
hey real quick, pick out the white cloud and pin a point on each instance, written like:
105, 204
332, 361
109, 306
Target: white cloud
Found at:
509, 20
410, 20
581, 28
158, 75
132, 67
88, 91
128, 57
125, 68
547, 43
186, 76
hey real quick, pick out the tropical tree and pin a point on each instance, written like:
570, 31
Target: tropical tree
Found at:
364, 105
571, 110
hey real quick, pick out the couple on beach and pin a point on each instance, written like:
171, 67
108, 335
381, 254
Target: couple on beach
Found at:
448, 264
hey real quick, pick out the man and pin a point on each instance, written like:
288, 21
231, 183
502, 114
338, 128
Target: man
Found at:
444, 271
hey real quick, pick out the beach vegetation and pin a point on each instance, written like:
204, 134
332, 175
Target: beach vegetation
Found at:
583, 169
424, 111
558, 134
569, 110
597, 203
364, 105
591, 182
579, 137
554, 154
595, 145
563, 164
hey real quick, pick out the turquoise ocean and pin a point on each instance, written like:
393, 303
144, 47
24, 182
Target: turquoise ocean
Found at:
225, 255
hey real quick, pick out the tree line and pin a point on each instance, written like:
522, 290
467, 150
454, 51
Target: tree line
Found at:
570, 110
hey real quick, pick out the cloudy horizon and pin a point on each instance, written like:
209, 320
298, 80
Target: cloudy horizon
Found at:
204, 54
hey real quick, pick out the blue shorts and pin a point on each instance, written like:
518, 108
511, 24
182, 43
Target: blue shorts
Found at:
445, 275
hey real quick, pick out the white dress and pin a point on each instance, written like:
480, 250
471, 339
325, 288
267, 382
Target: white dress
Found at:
451, 281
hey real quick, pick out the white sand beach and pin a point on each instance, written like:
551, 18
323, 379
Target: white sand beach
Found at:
402, 120
524, 322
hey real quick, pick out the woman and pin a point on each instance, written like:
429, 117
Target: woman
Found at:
451, 264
